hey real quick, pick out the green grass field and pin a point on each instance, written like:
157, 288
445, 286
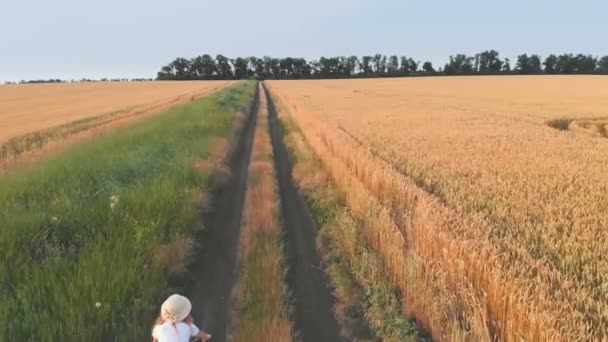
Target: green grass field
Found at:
79, 231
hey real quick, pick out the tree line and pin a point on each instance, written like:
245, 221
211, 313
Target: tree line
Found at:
206, 67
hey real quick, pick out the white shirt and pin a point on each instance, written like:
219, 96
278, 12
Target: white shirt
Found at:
180, 332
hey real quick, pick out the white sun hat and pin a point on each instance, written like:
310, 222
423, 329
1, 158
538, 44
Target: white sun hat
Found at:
176, 308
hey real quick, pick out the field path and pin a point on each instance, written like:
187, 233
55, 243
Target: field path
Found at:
215, 274
314, 317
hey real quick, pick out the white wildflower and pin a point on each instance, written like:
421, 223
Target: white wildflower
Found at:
113, 201
54, 219
98, 305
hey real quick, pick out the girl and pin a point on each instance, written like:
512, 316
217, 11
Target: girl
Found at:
175, 323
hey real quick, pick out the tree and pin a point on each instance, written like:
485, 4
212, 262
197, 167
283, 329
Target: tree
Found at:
257, 68
275, 67
209, 67
569, 64
405, 65
393, 65
343, 66
585, 63
181, 66
305, 67
428, 67
324, 67
315, 68
566, 64
272, 68
204, 67
224, 68
267, 67
551, 64
522, 64
459, 64
506, 67
467, 66
166, 73
413, 65
299, 68
196, 67
378, 65
240, 68
330, 66
602, 65
528, 64
286, 67
535, 64
366, 66
293, 68
489, 62
352, 64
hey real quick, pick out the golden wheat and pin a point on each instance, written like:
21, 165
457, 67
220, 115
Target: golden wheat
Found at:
368, 299
502, 214
31, 107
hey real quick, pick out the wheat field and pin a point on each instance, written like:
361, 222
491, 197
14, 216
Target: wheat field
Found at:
497, 186
26, 108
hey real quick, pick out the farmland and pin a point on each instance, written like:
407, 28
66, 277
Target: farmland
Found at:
96, 234
403, 209
36, 119
31, 107
495, 187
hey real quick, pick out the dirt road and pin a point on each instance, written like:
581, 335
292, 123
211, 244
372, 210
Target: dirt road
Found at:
215, 274
314, 318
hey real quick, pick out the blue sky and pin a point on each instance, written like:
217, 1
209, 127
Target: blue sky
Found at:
134, 38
